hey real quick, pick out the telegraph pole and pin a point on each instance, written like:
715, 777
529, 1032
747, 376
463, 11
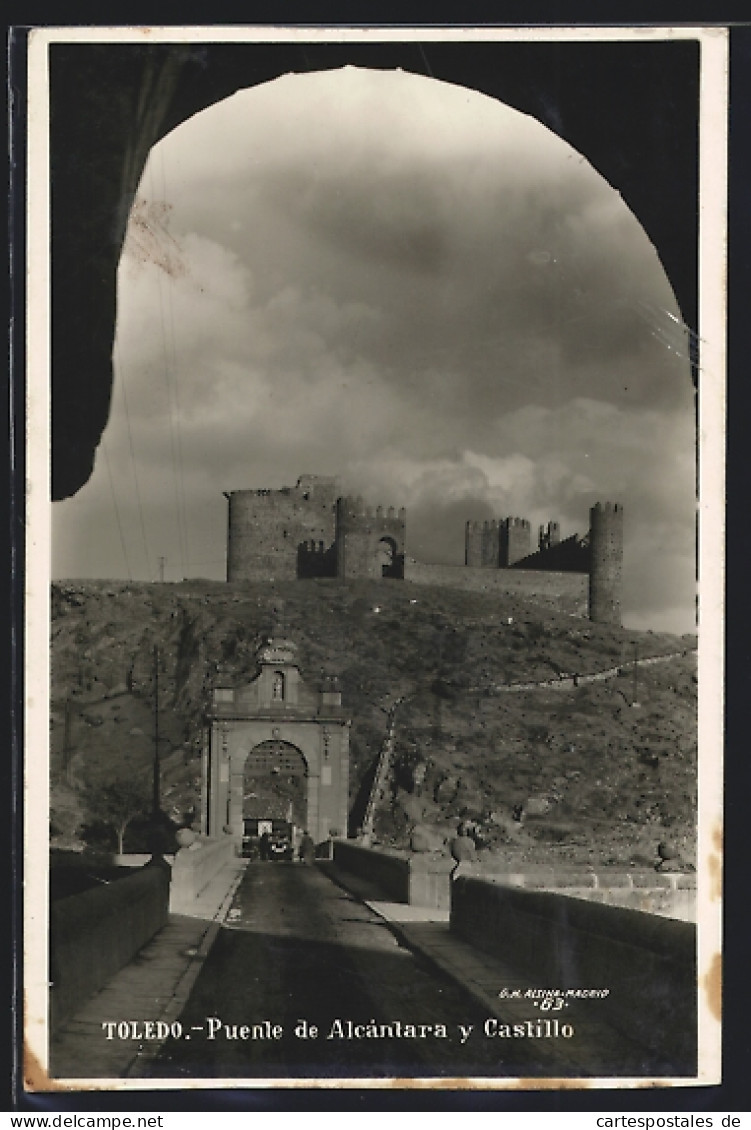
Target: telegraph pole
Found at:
161, 570
636, 676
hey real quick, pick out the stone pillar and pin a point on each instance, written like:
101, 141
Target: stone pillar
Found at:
343, 809
313, 807
235, 806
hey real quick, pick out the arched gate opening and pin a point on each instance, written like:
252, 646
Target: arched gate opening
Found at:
275, 784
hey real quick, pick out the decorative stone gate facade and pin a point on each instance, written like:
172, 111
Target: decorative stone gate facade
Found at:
261, 727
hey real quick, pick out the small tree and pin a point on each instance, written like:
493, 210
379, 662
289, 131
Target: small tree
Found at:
118, 800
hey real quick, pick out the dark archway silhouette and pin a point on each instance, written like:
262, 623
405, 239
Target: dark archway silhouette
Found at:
389, 558
629, 107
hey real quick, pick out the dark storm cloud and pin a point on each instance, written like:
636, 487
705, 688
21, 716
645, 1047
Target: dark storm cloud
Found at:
508, 286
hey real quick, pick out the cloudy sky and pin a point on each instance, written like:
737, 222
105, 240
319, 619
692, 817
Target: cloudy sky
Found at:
408, 285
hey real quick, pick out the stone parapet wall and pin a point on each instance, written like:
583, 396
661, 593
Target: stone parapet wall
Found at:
94, 934
646, 963
388, 869
424, 880
668, 894
420, 880
194, 868
430, 881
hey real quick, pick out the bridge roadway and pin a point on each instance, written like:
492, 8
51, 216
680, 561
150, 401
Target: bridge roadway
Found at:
296, 947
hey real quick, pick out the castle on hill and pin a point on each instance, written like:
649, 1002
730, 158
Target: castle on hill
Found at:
310, 530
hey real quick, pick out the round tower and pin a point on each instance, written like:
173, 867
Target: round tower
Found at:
269, 531
606, 562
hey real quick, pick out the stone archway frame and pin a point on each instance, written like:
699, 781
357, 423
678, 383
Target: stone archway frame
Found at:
643, 139
324, 745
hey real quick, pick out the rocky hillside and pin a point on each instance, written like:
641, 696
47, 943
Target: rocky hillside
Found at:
600, 771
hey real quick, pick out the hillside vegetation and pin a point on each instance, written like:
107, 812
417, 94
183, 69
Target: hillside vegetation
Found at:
603, 771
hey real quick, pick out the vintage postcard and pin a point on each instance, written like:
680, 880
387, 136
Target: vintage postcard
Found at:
376, 390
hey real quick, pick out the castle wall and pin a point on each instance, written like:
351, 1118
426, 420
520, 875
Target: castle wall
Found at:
606, 569
566, 591
369, 541
270, 531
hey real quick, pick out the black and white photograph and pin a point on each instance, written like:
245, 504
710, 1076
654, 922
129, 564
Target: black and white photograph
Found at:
374, 557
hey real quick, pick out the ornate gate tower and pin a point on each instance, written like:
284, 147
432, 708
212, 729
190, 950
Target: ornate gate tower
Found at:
277, 734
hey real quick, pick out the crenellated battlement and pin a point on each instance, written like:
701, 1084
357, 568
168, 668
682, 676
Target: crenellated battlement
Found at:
477, 524
324, 487
259, 492
354, 508
309, 530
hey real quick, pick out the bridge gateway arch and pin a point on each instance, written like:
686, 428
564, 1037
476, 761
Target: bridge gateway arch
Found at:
277, 738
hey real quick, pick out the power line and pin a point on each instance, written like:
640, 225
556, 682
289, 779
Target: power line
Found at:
121, 372
117, 511
171, 415
167, 356
185, 554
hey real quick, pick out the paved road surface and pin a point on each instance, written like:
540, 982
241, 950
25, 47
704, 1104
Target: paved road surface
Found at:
302, 949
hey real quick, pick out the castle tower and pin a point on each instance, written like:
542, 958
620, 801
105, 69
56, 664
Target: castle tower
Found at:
515, 541
606, 566
482, 544
369, 541
473, 544
269, 531
549, 536
490, 545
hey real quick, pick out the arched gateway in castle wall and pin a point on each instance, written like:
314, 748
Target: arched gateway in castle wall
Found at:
275, 734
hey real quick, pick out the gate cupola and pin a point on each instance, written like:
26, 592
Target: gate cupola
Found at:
279, 685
